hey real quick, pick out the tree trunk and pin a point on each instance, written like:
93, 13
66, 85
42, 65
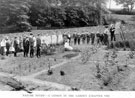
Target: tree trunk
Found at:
100, 11
132, 6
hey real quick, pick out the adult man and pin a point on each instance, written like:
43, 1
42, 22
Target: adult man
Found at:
26, 47
2, 45
83, 36
38, 45
98, 37
7, 46
31, 44
88, 38
35, 43
20, 41
92, 38
78, 38
106, 33
112, 31
75, 38
16, 46
69, 37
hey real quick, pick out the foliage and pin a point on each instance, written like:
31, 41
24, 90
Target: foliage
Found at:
19, 15
111, 74
131, 54
13, 13
61, 17
122, 12
77, 2
77, 15
127, 4
130, 44
87, 53
47, 16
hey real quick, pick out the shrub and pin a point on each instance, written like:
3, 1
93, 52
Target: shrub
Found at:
110, 20
23, 26
123, 44
111, 76
132, 45
127, 44
117, 44
111, 45
122, 12
87, 53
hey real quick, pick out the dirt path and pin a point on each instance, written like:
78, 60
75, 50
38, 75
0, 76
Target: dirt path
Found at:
31, 78
53, 67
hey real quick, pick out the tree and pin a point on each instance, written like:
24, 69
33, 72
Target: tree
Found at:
99, 4
80, 2
127, 4
14, 12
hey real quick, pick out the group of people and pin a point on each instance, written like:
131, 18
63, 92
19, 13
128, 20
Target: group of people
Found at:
31, 45
93, 37
27, 45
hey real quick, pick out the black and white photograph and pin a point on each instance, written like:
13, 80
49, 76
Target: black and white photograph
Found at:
67, 45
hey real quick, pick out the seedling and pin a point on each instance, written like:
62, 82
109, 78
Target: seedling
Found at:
62, 73
98, 67
74, 89
50, 72
131, 54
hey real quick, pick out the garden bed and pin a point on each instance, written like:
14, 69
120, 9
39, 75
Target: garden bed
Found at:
83, 76
26, 66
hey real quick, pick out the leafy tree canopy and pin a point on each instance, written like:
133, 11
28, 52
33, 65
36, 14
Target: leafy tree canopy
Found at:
127, 4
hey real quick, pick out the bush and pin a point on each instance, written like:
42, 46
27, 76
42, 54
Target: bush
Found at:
132, 45
111, 74
117, 44
111, 45
122, 12
110, 20
23, 26
123, 44
127, 44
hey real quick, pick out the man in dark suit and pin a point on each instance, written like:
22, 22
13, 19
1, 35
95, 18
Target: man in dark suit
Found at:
92, 38
88, 38
16, 46
112, 31
105, 38
75, 38
83, 36
78, 38
8, 44
26, 46
38, 46
31, 44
